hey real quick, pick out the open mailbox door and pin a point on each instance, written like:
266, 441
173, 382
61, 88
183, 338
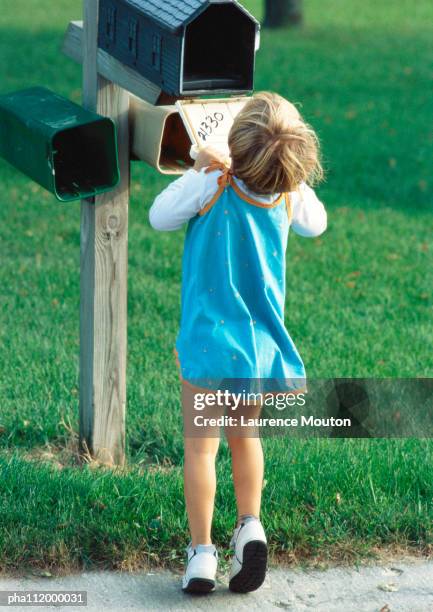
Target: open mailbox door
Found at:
208, 122
168, 137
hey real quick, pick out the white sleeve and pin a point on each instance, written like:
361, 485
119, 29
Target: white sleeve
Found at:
309, 218
182, 200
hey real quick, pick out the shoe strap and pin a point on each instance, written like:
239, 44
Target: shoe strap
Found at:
201, 548
206, 548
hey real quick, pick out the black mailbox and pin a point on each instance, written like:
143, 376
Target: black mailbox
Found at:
186, 47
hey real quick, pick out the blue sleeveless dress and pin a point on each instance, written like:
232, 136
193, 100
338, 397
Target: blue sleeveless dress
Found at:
233, 293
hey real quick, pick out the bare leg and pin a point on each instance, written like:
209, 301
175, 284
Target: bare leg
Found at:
200, 486
247, 461
201, 447
247, 466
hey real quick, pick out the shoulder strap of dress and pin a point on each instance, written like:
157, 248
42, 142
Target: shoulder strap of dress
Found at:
288, 206
223, 181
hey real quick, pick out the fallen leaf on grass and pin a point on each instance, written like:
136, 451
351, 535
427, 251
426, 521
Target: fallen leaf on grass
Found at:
388, 587
392, 571
42, 573
351, 284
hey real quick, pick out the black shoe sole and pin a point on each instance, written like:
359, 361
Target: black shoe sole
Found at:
200, 586
253, 571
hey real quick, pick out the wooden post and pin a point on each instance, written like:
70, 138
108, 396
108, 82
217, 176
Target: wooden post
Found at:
104, 272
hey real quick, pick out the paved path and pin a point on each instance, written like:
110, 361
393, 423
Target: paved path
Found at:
405, 587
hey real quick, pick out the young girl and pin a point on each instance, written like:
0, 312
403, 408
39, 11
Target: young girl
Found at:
233, 290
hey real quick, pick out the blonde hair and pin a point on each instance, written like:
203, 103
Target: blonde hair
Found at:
272, 149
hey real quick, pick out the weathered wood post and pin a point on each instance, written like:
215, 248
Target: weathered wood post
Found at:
104, 271
148, 54
143, 52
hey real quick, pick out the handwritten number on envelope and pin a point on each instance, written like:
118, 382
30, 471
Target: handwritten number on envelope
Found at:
210, 124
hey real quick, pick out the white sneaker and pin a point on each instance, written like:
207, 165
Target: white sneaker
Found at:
201, 569
250, 559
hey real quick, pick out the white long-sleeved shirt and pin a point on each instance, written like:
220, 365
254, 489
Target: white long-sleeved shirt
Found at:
184, 198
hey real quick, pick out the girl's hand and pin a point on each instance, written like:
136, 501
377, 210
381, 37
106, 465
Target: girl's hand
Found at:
208, 155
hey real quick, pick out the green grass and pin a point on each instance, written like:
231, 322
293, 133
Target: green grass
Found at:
359, 304
338, 502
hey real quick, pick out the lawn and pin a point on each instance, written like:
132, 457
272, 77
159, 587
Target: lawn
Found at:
359, 304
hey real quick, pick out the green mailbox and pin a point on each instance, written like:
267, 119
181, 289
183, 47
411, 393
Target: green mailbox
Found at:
68, 150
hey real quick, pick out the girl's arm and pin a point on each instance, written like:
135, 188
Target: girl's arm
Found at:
309, 217
179, 202
184, 198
